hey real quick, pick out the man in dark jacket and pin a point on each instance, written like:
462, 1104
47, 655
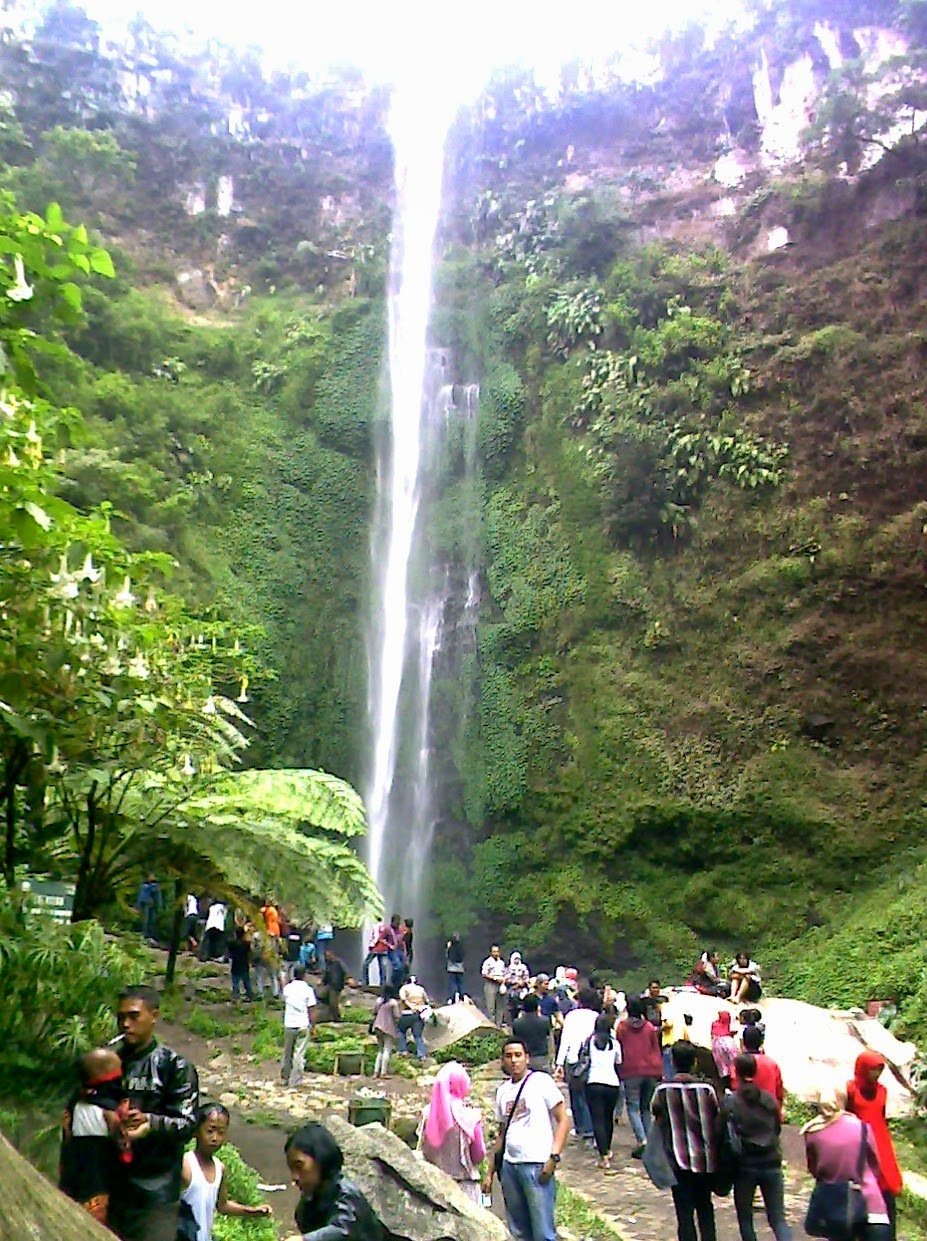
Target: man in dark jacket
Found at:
163, 1094
333, 981
757, 1151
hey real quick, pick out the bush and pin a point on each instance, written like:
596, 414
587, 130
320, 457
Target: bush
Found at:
58, 988
241, 1182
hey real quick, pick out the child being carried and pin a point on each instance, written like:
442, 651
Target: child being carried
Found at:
95, 1141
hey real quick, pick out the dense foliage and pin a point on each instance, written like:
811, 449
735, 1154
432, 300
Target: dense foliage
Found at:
694, 706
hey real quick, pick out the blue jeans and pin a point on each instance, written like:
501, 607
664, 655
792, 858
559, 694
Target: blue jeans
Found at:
413, 1022
529, 1205
397, 967
582, 1118
638, 1093
381, 958
772, 1187
455, 987
669, 1069
149, 921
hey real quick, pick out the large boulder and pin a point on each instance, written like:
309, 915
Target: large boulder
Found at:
815, 1048
414, 1199
34, 1210
453, 1022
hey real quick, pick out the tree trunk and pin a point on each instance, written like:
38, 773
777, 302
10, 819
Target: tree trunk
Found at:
176, 927
35, 1209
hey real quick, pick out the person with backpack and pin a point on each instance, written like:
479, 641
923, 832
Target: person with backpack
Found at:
578, 1026
685, 1117
603, 1086
750, 1127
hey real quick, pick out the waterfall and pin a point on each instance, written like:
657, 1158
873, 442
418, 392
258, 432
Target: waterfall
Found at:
401, 651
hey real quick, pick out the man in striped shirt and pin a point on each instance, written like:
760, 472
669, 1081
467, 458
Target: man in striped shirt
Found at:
686, 1111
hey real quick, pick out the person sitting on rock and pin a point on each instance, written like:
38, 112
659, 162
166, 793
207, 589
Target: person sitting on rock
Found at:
330, 1208
746, 984
705, 977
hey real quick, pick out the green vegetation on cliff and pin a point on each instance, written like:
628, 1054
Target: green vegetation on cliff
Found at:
694, 709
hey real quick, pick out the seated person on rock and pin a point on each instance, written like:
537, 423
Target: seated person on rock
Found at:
746, 984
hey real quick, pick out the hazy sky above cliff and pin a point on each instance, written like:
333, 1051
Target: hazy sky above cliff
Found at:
457, 43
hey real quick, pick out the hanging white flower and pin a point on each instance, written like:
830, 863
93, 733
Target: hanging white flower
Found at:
125, 598
209, 706
243, 692
151, 602
88, 571
12, 459
188, 768
138, 668
21, 290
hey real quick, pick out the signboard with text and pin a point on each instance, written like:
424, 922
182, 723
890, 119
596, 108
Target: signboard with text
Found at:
50, 897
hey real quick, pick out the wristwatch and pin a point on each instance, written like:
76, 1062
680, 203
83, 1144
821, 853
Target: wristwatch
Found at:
555, 1158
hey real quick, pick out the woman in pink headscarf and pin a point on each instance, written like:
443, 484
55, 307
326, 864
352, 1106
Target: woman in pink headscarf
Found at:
723, 1047
452, 1132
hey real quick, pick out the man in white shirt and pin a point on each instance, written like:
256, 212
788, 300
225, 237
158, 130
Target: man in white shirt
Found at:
578, 1026
534, 1130
298, 1020
493, 971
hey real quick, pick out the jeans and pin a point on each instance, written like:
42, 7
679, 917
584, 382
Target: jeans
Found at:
582, 1121
242, 982
149, 921
602, 1101
638, 1094
295, 1041
381, 959
265, 977
413, 1022
669, 1069
529, 1205
455, 987
772, 1187
397, 967
692, 1200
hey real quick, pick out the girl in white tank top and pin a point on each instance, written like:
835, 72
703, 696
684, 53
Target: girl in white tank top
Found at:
201, 1175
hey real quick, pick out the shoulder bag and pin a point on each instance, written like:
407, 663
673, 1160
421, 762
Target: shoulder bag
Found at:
837, 1209
577, 1074
500, 1154
656, 1158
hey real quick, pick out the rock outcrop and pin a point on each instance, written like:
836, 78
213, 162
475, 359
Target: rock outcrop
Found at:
415, 1201
34, 1210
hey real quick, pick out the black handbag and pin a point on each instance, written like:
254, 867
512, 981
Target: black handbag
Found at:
837, 1209
577, 1074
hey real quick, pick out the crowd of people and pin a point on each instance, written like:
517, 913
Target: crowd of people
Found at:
706, 1120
